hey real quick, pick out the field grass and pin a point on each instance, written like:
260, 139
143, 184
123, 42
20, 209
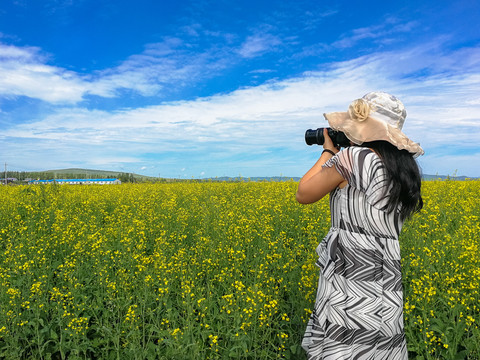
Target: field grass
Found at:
211, 271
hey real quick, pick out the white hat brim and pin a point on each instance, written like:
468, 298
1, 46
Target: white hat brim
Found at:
371, 129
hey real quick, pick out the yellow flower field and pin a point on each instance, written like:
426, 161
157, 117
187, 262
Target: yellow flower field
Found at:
211, 270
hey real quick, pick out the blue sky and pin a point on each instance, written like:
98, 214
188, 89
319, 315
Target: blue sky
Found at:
227, 88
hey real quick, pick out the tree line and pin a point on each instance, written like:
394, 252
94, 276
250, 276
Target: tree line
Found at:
23, 176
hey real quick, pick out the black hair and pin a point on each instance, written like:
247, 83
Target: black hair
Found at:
403, 178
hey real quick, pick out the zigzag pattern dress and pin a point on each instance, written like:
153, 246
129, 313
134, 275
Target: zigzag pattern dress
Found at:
358, 310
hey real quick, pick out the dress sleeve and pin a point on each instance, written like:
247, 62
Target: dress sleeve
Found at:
362, 169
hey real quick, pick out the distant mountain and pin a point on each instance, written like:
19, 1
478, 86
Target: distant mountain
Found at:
447, 177
255, 178
80, 171
84, 172
91, 173
286, 178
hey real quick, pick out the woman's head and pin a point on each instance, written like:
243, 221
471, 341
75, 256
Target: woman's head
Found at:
376, 116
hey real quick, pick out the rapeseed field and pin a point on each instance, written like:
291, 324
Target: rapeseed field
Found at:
211, 270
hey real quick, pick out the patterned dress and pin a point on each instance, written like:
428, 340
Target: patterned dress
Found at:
358, 310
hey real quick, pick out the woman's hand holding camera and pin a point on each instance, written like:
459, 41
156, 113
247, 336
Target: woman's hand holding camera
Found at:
328, 146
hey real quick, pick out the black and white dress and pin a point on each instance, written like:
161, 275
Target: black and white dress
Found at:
358, 310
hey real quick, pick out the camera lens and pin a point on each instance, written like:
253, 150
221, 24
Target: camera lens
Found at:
316, 137
312, 137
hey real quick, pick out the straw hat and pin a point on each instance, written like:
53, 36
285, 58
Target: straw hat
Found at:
376, 116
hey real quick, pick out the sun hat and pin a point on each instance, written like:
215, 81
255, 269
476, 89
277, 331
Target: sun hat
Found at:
376, 116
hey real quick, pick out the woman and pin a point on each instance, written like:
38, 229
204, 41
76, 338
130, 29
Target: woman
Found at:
374, 186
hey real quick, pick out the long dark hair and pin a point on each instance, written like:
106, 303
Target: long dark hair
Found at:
403, 178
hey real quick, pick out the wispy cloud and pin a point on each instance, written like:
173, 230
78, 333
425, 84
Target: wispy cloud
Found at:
442, 108
162, 67
384, 32
258, 44
23, 72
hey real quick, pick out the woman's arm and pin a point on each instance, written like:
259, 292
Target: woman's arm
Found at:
318, 181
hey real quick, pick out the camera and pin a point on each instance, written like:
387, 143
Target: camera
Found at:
316, 137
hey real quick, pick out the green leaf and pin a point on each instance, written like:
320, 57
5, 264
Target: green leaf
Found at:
461, 355
235, 351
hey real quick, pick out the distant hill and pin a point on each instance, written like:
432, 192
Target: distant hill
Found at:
256, 178
286, 178
105, 174
72, 173
447, 177
76, 173
93, 173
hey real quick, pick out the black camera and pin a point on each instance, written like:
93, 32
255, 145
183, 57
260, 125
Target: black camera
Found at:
316, 137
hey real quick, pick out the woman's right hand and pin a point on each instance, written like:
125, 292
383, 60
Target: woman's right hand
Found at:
319, 181
328, 143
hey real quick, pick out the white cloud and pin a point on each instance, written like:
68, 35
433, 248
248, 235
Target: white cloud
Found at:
165, 63
378, 32
19, 54
168, 65
22, 73
263, 126
258, 44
